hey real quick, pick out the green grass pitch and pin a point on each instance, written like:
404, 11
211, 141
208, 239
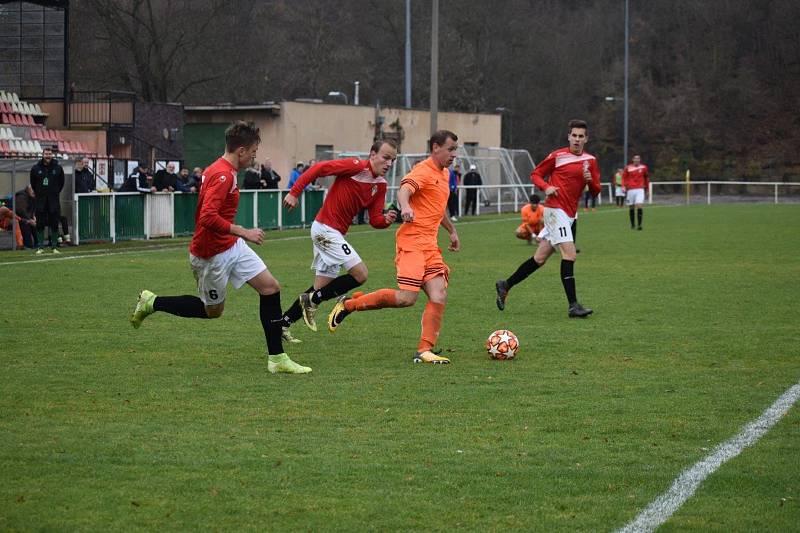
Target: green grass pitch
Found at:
178, 425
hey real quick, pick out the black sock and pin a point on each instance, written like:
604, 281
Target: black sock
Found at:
337, 287
525, 269
270, 310
294, 312
639, 214
568, 280
185, 306
630, 213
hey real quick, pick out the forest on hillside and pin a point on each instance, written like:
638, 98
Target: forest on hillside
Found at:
714, 85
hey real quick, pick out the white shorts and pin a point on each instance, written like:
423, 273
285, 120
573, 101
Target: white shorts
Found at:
557, 226
238, 264
634, 197
331, 251
618, 191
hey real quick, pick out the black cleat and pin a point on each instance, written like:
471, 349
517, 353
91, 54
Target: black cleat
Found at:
639, 228
502, 293
576, 310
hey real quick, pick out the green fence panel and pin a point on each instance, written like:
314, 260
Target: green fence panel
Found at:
244, 216
185, 206
314, 201
293, 218
94, 218
129, 216
268, 209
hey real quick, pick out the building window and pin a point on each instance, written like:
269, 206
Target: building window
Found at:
470, 148
323, 152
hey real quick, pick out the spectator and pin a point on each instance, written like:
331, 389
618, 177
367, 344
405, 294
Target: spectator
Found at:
587, 199
252, 178
185, 182
269, 177
298, 169
452, 202
472, 178
196, 178
311, 163
145, 182
25, 203
165, 180
131, 183
84, 179
47, 180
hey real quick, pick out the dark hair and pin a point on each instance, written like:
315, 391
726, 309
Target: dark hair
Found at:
241, 134
376, 146
440, 137
577, 123
534, 199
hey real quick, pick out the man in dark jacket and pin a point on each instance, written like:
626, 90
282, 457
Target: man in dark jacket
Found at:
252, 179
47, 180
25, 204
472, 178
164, 180
84, 179
269, 176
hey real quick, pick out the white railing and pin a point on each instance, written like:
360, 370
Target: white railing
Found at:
772, 190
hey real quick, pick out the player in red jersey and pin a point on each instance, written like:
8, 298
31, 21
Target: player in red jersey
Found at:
635, 179
358, 185
218, 253
570, 170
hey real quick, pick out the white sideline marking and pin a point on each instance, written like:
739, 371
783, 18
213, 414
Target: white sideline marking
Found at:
684, 485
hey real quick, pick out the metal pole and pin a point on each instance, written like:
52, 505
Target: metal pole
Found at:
408, 54
625, 106
355, 95
435, 67
14, 222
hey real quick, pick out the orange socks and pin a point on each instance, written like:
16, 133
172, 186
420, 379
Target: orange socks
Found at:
431, 324
375, 300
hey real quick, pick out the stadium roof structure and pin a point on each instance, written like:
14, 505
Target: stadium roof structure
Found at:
227, 106
60, 4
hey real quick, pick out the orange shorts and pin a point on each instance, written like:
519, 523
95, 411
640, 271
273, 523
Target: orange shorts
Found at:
415, 267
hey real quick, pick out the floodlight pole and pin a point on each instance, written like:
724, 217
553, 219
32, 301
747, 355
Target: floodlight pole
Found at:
408, 54
625, 105
435, 67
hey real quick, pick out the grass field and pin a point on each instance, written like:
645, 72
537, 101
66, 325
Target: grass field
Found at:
178, 425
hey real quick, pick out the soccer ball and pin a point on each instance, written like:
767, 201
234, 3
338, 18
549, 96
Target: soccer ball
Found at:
502, 344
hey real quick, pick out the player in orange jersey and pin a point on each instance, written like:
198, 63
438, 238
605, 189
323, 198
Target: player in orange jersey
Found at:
422, 199
532, 224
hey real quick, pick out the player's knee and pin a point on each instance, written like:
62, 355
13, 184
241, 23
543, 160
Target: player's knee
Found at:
406, 298
439, 297
361, 275
214, 311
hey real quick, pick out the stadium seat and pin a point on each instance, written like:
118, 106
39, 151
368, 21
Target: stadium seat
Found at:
37, 147
14, 97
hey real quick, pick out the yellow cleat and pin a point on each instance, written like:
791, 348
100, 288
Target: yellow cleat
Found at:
337, 314
429, 357
282, 363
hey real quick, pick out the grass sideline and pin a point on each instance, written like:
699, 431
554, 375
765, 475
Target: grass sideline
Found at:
178, 425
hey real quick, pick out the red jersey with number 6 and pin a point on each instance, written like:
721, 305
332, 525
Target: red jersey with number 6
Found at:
216, 209
566, 172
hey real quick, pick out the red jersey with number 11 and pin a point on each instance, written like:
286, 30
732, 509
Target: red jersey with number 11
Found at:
566, 172
216, 209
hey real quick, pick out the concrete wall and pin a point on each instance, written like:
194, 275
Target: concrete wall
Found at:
299, 127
